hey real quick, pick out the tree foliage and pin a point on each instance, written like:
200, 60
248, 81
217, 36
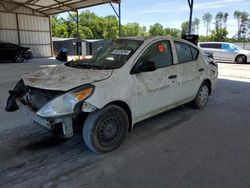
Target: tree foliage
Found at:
194, 27
156, 29
243, 21
92, 26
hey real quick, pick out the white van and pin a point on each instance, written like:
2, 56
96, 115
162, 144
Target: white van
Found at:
226, 52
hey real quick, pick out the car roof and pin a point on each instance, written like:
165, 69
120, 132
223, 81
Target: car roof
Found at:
214, 43
144, 38
7, 43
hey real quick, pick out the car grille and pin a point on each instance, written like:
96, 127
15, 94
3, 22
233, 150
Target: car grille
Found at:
37, 98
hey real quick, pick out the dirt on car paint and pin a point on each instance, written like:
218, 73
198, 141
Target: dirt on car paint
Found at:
63, 78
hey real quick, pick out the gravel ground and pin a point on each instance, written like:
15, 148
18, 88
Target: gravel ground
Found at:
179, 148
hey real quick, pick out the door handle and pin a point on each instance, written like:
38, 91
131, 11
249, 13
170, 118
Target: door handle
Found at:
201, 70
172, 76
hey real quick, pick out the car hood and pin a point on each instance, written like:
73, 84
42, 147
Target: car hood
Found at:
246, 52
64, 78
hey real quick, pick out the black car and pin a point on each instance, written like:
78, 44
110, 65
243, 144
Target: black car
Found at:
13, 52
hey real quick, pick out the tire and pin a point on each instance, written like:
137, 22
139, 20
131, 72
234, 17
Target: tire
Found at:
18, 58
201, 97
106, 129
241, 59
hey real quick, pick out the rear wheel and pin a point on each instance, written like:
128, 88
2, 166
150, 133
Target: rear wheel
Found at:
240, 59
18, 58
105, 129
202, 96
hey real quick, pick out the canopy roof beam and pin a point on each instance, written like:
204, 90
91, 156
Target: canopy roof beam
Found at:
118, 14
50, 7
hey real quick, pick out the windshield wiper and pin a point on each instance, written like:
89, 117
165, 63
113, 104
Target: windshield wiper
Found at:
84, 66
81, 66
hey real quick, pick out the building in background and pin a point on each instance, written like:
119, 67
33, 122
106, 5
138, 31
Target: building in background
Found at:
88, 47
24, 26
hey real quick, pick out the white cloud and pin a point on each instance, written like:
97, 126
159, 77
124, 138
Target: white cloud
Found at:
216, 4
163, 7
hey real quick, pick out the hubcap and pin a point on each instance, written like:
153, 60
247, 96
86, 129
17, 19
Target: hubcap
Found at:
240, 59
19, 58
109, 130
203, 95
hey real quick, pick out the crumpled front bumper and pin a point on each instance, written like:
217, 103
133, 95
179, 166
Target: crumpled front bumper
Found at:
67, 122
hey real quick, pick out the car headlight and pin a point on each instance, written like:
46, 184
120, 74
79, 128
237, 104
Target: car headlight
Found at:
66, 104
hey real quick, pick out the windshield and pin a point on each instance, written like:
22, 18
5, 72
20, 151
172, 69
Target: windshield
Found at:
234, 47
113, 56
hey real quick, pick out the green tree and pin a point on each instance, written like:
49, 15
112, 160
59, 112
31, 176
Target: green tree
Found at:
86, 33
219, 35
207, 19
225, 17
131, 29
143, 31
111, 30
219, 21
184, 28
196, 25
243, 23
156, 29
59, 27
173, 32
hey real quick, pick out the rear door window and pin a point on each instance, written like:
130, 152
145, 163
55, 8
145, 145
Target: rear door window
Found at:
204, 45
215, 45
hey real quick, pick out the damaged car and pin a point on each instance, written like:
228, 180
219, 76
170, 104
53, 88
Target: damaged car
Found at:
125, 82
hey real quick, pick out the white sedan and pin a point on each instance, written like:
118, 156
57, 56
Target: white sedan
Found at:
126, 82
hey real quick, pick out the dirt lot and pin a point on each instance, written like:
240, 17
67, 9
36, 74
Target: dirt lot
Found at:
181, 148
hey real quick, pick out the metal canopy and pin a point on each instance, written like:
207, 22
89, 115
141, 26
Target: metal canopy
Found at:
49, 7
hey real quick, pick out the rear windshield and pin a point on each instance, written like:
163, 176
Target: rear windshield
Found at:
113, 56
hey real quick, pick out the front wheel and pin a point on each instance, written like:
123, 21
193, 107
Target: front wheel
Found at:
202, 96
105, 129
18, 58
240, 59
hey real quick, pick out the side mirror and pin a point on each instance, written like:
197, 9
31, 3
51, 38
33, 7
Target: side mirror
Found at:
143, 66
209, 54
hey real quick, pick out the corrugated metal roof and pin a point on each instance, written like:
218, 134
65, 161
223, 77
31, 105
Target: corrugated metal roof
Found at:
49, 7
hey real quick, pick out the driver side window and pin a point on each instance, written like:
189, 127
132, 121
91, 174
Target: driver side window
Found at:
160, 53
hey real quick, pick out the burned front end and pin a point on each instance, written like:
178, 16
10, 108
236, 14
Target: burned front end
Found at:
54, 110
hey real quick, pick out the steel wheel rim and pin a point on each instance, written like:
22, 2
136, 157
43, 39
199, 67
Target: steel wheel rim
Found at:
203, 95
109, 131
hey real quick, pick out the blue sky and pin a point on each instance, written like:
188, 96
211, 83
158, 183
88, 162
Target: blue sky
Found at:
171, 13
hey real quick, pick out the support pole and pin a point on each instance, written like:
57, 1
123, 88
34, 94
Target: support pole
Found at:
120, 24
118, 14
190, 3
78, 34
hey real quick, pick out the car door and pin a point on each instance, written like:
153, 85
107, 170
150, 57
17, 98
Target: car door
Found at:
216, 49
228, 53
159, 89
3, 54
9, 51
191, 71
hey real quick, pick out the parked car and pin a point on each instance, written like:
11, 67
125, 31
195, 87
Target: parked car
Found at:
13, 52
226, 52
126, 82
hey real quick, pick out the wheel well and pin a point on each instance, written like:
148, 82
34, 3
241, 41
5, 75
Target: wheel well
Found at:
207, 81
241, 55
126, 108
